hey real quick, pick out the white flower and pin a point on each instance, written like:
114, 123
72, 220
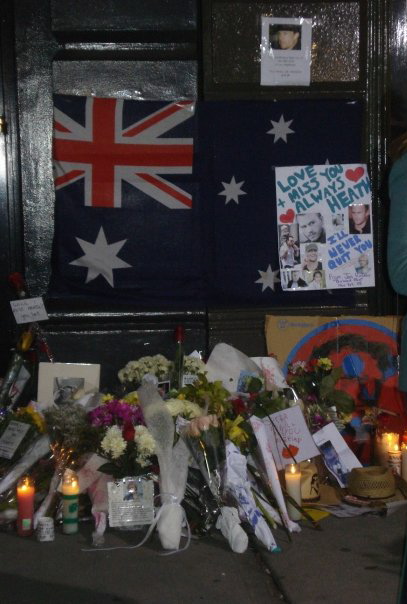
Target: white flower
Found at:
113, 442
144, 440
175, 406
134, 371
192, 410
193, 365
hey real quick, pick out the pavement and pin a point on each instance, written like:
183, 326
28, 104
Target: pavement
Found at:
355, 559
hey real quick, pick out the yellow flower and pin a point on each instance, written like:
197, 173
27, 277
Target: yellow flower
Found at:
33, 415
325, 363
131, 398
106, 398
234, 433
181, 396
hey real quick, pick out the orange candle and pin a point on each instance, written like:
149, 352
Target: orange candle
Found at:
25, 506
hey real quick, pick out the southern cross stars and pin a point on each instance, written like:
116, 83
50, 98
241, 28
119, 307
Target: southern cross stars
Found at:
268, 278
100, 258
232, 190
280, 129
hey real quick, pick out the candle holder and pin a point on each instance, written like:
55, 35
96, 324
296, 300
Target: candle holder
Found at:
395, 459
25, 506
70, 501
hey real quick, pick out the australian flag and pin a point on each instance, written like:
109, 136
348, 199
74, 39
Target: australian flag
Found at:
173, 203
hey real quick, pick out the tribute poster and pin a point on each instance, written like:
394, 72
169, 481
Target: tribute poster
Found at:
324, 222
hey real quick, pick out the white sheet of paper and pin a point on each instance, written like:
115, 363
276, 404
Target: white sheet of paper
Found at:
291, 425
282, 65
131, 502
338, 458
12, 437
29, 310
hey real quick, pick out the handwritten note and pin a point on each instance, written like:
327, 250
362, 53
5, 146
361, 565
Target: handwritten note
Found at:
288, 436
29, 310
12, 437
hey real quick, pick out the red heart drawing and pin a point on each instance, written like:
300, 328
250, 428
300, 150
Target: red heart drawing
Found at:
290, 451
288, 217
354, 175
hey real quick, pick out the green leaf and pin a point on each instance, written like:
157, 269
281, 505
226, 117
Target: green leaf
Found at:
111, 469
342, 401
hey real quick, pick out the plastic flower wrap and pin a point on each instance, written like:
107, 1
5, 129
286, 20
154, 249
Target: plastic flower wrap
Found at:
173, 462
205, 440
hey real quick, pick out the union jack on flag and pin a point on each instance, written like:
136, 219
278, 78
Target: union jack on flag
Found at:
107, 146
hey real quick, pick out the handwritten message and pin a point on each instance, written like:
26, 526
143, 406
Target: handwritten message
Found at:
288, 437
324, 218
29, 310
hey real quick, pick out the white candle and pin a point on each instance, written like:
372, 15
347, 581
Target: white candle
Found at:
70, 499
293, 488
395, 459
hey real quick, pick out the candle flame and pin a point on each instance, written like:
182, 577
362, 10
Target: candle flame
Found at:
292, 468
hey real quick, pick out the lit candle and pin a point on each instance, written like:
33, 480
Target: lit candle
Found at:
404, 461
395, 459
293, 488
70, 498
25, 506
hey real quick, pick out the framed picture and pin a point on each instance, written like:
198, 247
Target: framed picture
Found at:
59, 383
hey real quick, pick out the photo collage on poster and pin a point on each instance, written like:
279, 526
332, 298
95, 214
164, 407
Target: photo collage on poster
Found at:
324, 222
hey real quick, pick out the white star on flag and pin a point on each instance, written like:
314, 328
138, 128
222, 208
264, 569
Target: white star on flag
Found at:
232, 190
268, 278
100, 257
280, 129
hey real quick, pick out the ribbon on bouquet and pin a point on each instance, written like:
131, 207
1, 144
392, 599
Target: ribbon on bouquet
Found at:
169, 500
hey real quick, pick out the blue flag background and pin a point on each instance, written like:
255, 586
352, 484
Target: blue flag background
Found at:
223, 250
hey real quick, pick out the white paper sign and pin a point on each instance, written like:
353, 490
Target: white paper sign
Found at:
338, 458
324, 218
131, 501
12, 437
289, 437
285, 51
29, 310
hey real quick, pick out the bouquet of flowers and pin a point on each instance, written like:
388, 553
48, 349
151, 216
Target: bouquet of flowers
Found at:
131, 375
315, 383
122, 438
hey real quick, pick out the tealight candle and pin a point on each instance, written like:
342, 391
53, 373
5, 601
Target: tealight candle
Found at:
293, 488
395, 459
25, 506
70, 499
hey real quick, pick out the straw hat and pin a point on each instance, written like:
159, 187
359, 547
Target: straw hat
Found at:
374, 482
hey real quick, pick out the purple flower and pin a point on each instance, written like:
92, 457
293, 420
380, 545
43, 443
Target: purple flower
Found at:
116, 412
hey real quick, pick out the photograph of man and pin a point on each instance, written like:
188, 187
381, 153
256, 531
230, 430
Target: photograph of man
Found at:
338, 221
333, 462
296, 281
317, 281
289, 253
359, 219
285, 36
311, 261
363, 267
311, 228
